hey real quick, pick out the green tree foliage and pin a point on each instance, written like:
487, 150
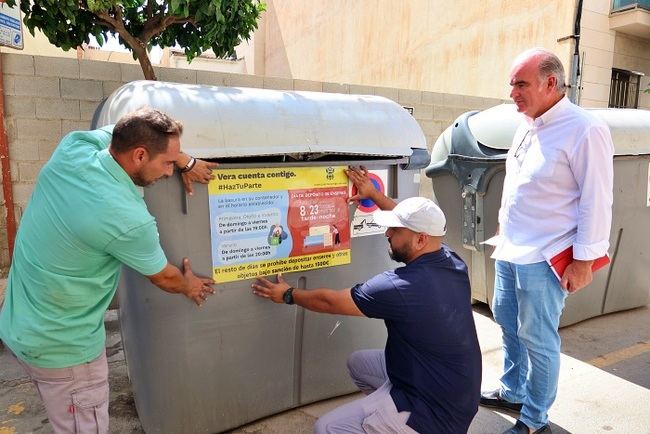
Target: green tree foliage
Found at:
194, 25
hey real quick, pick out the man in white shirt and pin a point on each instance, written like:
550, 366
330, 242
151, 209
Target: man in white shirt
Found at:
558, 186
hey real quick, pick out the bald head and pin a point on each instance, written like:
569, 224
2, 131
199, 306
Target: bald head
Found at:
537, 81
547, 64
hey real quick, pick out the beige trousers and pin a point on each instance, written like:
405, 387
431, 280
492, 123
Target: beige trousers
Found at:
76, 397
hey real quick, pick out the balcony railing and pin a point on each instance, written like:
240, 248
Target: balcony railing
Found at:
618, 5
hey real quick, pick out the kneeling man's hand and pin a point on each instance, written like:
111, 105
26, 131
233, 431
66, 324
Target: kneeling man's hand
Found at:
267, 289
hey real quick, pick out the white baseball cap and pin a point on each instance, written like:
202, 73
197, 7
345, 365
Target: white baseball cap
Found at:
418, 214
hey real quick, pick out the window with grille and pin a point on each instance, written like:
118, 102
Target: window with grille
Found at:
624, 89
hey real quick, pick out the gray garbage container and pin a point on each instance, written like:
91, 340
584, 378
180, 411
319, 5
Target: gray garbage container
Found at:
467, 171
239, 358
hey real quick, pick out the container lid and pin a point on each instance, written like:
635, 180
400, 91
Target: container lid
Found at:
630, 128
223, 122
496, 126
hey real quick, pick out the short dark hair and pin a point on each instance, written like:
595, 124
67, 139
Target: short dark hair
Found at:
146, 127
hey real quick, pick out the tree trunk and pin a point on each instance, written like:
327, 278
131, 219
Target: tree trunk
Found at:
147, 67
139, 46
145, 63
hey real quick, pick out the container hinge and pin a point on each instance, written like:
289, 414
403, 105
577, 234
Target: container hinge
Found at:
473, 226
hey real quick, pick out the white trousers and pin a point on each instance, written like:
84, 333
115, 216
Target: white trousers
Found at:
374, 414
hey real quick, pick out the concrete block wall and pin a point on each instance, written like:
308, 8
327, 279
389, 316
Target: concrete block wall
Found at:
47, 97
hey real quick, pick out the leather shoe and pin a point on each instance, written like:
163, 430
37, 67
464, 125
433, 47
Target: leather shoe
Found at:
492, 398
521, 428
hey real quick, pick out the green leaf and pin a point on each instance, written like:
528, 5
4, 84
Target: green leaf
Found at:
220, 24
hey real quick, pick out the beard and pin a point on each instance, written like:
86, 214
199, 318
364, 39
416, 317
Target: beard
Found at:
139, 179
397, 255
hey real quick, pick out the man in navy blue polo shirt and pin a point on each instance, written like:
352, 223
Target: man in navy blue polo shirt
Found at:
428, 377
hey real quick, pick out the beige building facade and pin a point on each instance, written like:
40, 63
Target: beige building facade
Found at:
463, 47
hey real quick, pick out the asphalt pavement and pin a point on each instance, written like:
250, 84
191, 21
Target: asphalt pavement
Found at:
604, 383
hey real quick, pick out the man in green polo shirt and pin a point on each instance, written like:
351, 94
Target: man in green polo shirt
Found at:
84, 220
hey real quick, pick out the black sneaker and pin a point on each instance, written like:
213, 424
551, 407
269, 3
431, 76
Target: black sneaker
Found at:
492, 398
521, 428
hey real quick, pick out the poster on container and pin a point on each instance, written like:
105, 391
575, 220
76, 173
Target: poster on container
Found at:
266, 221
363, 223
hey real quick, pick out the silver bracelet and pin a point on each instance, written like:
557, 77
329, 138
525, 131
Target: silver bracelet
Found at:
189, 166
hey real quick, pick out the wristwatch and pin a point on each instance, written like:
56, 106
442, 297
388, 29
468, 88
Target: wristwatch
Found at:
288, 296
189, 166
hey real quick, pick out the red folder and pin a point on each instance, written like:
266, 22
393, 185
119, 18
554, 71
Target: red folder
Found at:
560, 261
